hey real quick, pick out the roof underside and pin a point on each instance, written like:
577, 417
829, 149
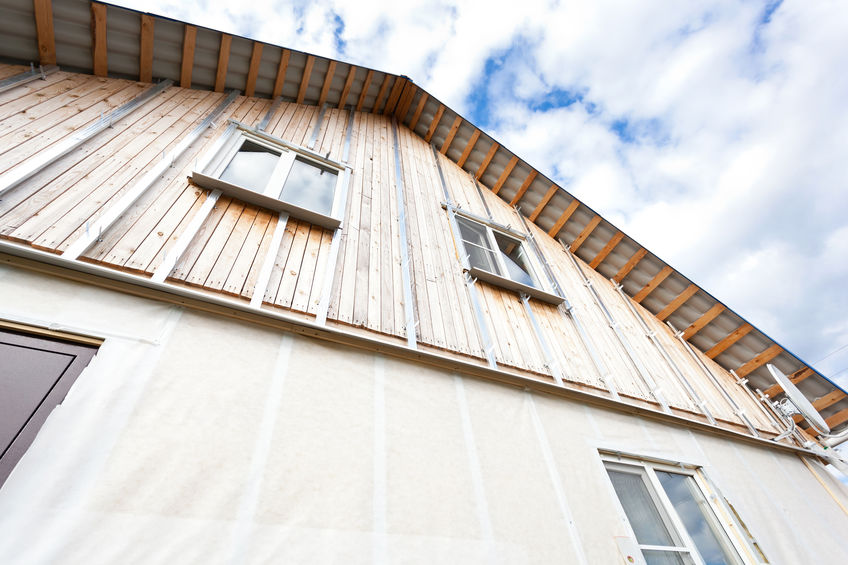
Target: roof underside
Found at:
207, 59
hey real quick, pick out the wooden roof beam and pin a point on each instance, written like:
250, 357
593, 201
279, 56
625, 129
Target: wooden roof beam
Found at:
524, 186
145, 49
564, 217
544, 202
472, 141
99, 59
652, 284
583, 235
405, 101
759, 360
823, 402
505, 174
434, 124
418, 110
351, 73
253, 70
705, 319
394, 95
602, 254
189, 41
366, 84
451, 134
729, 340
282, 68
304, 80
678, 301
328, 80
383, 88
44, 31
486, 160
631, 263
838, 418
794, 378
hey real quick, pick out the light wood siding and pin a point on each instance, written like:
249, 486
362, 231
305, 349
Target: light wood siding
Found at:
58, 204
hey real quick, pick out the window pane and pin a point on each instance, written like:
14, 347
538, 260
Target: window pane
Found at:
665, 558
640, 509
698, 518
515, 258
311, 187
251, 167
477, 246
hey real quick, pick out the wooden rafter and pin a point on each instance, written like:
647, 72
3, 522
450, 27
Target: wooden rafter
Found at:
794, 378
351, 73
328, 81
544, 202
282, 68
304, 80
44, 31
631, 263
472, 141
366, 84
394, 95
602, 254
384, 87
705, 319
505, 174
759, 360
652, 284
486, 160
434, 123
575, 204
253, 70
189, 41
678, 301
838, 418
145, 51
405, 101
418, 110
823, 402
585, 233
524, 186
729, 340
99, 65
451, 134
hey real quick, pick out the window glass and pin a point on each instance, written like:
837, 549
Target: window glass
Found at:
692, 508
515, 259
477, 245
310, 186
653, 557
641, 511
251, 167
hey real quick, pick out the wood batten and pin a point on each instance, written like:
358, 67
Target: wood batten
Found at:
328, 81
422, 101
505, 174
759, 360
631, 263
351, 73
99, 63
451, 134
524, 186
405, 101
434, 123
575, 204
544, 202
729, 340
602, 254
583, 235
304, 80
794, 378
223, 62
384, 87
468, 147
253, 70
365, 85
678, 301
653, 283
839, 418
145, 52
394, 95
282, 68
823, 402
705, 319
486, 160
189, 40
44, 30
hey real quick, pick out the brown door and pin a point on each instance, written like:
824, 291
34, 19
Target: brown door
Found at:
35, 375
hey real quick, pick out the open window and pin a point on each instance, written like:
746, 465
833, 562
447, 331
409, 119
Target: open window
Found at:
671, 518
258, 168
501, 257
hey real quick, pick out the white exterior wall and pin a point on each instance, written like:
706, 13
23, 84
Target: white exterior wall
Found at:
197, 439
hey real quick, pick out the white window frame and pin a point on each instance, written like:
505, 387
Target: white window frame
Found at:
646, 469
543, 289
208, 174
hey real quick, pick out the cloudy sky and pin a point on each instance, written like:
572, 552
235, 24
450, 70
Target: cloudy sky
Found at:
715, 133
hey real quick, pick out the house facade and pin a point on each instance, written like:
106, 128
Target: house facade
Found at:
261, 306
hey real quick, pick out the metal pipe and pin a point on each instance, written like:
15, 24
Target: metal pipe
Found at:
27, 76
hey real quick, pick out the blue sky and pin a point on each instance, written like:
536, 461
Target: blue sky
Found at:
713, 132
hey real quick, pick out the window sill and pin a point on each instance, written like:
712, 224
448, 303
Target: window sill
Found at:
267, 202
510, 284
